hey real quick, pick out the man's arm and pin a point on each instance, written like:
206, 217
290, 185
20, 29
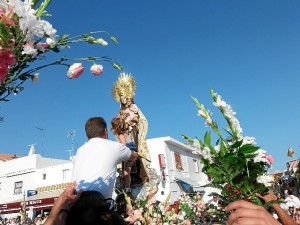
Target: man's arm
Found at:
62, 205
132, 157
283, 217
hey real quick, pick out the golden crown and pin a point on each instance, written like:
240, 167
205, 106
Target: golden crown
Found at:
125, 85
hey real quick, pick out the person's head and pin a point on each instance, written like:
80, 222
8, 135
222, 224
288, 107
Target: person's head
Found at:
215, 198
91, 209
118, 126
96, 127
278, 195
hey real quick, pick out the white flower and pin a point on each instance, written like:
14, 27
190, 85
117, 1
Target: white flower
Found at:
201, 113
229, 113
260, 156
196, 143
249, 140
206, 154
217, 148
48, 29
265, 180
29, 50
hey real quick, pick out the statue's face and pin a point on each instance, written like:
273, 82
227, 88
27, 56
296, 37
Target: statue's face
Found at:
129, 102
123, 99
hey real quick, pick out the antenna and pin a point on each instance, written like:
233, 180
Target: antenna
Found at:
71, 133
42, 132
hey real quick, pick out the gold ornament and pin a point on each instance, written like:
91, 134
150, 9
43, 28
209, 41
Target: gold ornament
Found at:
125, 85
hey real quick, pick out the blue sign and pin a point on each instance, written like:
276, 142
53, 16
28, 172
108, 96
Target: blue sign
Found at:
31, 193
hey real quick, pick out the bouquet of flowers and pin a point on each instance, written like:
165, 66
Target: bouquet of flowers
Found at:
236, 165
25, 37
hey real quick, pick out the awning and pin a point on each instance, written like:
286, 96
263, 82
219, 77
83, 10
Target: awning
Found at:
42, 200
188, 185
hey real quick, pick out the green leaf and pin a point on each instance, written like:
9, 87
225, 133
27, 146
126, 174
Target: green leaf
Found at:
237, 144
41, 11
114, 39
5, 35
207, 138
117, 66
248, 148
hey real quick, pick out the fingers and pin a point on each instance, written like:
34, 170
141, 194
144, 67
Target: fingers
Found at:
241, 204
246, 213
247, 221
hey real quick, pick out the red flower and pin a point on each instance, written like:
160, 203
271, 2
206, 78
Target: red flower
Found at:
238, 192
228, 186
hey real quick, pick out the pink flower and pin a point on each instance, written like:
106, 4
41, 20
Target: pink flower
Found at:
7, 57
96, 69
75, 70
3, 71
270, 159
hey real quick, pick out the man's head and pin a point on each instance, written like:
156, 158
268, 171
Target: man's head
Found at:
96, 127
91, 209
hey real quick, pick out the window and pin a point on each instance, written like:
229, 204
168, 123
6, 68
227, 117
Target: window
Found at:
178, 161
44, 176
18, 187
196, 165
65, 174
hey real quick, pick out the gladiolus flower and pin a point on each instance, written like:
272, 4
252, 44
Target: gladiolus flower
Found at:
96, 69
75, 70
270, 159
101, 42
7, 57
3, 72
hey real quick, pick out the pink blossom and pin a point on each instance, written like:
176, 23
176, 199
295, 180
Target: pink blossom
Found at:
8, 16
3, 72
96, 69
75, 70
7, 57
270, 159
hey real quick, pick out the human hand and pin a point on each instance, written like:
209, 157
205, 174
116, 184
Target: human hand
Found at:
70, 195
269, 197
246, 213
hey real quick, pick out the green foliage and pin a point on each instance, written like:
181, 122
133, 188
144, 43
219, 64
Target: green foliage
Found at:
234, 163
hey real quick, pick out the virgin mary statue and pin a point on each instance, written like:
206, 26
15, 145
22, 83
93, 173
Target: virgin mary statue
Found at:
136, 124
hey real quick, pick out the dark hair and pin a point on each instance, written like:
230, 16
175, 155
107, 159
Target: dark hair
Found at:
118, 126
95, 127
92, 209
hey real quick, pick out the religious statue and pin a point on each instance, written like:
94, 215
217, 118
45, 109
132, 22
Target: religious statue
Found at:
135, 123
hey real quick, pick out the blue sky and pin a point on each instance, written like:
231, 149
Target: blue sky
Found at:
247, 51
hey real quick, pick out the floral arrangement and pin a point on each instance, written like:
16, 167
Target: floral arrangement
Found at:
25, 37
236, 165
151, 211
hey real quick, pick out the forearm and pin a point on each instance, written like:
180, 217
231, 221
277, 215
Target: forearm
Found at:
283, 217
55, 217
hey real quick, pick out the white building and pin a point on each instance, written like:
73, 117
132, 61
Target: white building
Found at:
180, 169
32, 173
174, 161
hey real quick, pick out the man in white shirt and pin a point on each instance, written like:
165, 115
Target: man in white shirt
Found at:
95, 164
